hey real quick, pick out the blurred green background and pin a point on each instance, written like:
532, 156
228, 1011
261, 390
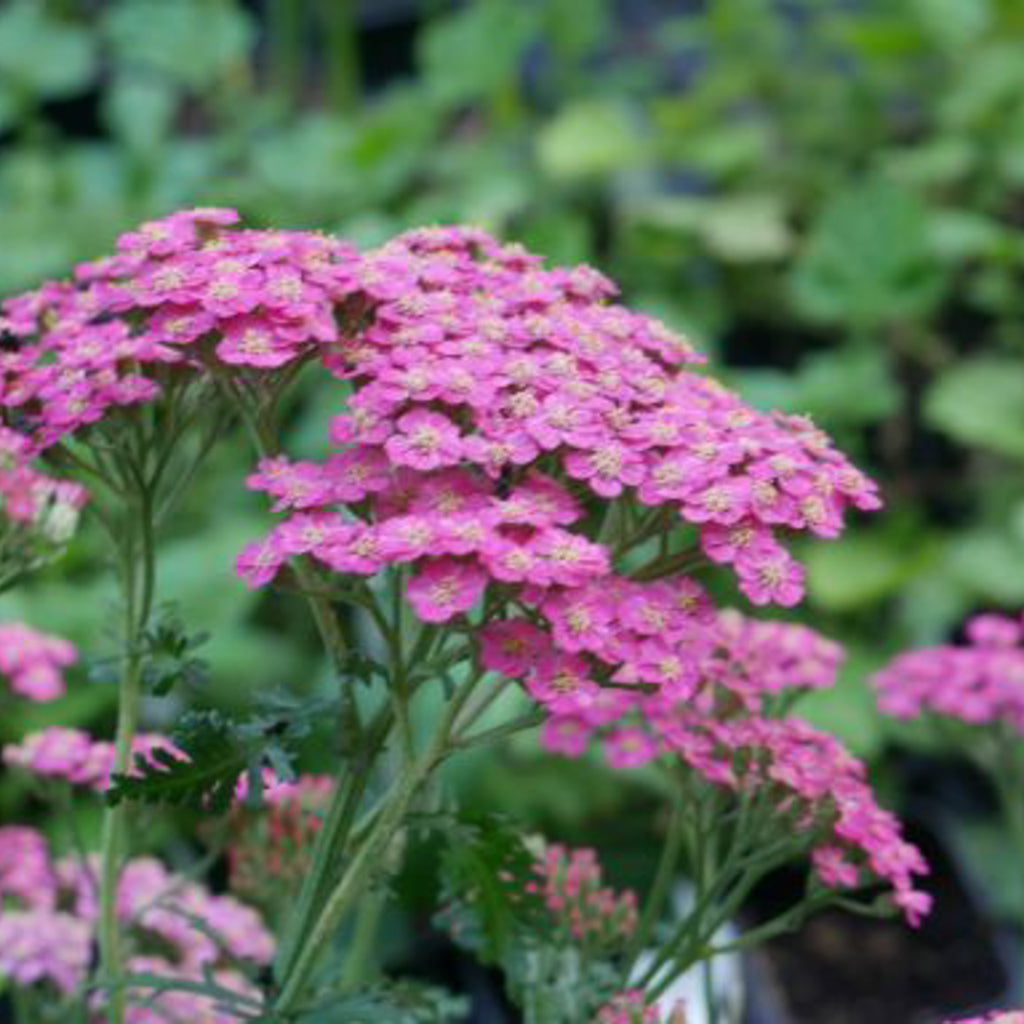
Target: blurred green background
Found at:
827, 194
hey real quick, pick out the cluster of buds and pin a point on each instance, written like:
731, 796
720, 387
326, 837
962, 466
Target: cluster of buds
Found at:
271, 845
631, 1007
569, 881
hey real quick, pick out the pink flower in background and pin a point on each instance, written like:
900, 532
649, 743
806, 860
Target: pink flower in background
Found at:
980, 683
58, 752
40, 944
33, 662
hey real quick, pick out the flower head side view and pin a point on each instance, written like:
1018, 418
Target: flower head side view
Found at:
530, 487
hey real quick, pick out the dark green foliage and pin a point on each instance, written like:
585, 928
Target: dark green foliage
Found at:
390, 1002
170, 661
218, 750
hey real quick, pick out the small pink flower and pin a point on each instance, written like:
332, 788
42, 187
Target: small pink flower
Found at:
260, 561
630, 748
444, 588
426, 440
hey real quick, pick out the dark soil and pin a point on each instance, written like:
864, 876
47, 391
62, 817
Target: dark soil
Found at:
844, 969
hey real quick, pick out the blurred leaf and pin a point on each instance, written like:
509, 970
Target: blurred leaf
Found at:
989, 79
867, 260
845, 385
588, 139
954, 24
986, 564
310, 160
139, 110
857, 571
190, 41
848, 710
980, 402
738, 227
41, 56
741, 228
993, 861
475, 52
941, 160
958, 235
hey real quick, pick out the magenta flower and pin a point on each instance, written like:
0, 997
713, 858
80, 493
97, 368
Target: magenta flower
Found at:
444, 588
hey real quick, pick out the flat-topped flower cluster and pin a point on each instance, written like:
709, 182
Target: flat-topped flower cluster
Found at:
981, 682
49, 918
492, 398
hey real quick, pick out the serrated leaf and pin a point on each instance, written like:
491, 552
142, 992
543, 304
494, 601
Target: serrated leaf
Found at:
483, 871
217, 751
204, 780
980, 402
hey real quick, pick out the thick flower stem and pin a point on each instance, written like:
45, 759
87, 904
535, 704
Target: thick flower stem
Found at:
660, 888
369, 856
137, 563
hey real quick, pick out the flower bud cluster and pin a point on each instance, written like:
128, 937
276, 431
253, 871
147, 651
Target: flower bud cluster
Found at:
722, 727
569, 881
271, 846
631, 1007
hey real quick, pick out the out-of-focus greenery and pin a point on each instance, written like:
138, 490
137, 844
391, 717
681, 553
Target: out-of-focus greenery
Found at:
828, 195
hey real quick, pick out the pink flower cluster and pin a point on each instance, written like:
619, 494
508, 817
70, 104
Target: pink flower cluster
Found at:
28, 497
720, 725
631, 1007
179, 290
570, 883
980, 683
48, 917
474, 365
59, 752
33, 662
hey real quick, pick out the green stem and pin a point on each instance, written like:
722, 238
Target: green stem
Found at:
659, 889
341, 816
286, 23
369, 856
343, 70
137, 585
